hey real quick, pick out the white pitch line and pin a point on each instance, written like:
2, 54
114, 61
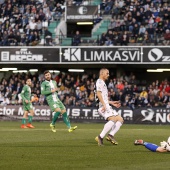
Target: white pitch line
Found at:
50, 129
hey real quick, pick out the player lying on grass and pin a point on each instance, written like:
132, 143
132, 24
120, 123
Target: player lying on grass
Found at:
164, 146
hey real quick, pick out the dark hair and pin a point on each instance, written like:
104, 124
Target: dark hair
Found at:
28, 78
46, 71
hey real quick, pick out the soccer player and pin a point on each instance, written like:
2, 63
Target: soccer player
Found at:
164, 146
114, 120
49, 89
27, 105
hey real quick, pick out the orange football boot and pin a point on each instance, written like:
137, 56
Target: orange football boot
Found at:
24, 127
29, 125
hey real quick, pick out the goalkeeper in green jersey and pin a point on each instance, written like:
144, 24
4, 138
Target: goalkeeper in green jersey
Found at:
27, 105
49, 88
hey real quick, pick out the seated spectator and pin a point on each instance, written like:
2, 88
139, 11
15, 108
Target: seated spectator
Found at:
5, 101
112, 25
32, 24
167, 37
142, 30
151, 31
159, 28
144, 94
17, 39
30, 38
35, 99
76, 39
168, 105
124, 39
103, 5
48, 36
39, 26
108, 7
41, 100
14, 98
36, 39
103, 39
135, 31
11, 38
57, 12
146, 38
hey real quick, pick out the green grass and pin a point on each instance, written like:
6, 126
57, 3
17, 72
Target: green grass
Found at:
39, 148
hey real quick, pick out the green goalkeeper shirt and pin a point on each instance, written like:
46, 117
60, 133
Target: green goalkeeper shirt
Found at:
26, 93
46, 87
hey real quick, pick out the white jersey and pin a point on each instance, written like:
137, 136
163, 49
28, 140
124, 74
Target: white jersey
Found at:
101, 86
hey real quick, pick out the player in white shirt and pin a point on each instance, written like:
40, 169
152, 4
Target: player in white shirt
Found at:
114, 120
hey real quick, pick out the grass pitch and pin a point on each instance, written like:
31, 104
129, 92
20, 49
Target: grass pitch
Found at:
39, 148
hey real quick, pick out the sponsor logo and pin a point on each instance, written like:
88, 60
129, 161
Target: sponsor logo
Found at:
72, 54
82, 10
102, 55
162, 115
156, 54
23, 55
148, 115
156, 115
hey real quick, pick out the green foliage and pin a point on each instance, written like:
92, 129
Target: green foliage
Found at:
39, 148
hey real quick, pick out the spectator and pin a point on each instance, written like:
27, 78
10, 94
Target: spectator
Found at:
35, 99
48, 36
57, 12
151, 31
5, 101
97, 19
108, 7
76, 39
124, 39
166, 37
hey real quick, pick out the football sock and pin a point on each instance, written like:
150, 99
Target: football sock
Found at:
106, 128
55, 117
66, 119
30, 119
23, 121
152, 147
115, 128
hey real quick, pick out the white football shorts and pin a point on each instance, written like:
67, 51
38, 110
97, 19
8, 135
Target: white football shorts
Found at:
108, 113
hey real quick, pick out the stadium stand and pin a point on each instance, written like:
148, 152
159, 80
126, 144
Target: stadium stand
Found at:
78, 90
25, 22
130, 22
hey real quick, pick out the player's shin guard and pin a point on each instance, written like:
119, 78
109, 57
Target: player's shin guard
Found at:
152, 147
106, 128
66, 120
55, 117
